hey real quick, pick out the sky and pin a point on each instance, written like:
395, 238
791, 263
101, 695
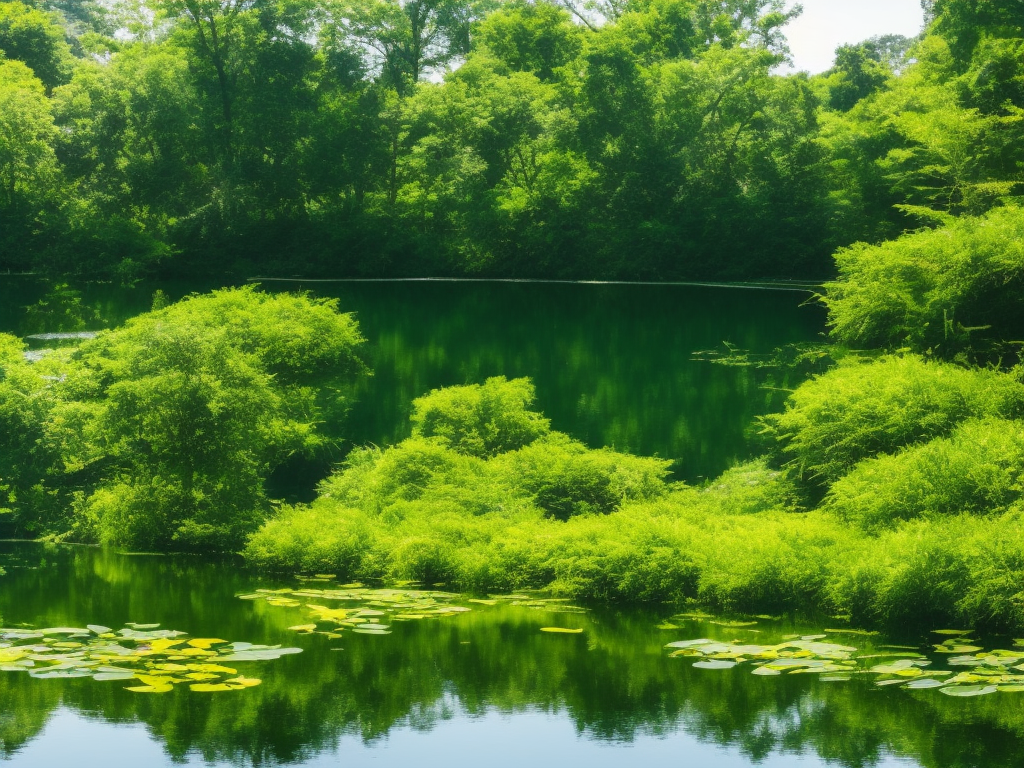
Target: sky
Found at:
827, 24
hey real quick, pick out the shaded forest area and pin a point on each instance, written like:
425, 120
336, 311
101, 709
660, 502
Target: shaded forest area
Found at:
647, 139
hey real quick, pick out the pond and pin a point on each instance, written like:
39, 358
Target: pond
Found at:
484, 686
614, 364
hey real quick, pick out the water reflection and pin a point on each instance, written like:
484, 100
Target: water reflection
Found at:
612, 363
485, 684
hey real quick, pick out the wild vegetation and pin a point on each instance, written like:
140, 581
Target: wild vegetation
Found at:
501, 138
913, 528
342, 139
160, 434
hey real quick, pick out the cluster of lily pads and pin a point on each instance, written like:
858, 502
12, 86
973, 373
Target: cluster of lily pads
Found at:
984, 671
158, 659
373, 611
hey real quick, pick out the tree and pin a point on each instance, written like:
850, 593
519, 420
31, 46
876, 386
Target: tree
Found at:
31, 36
29, 172
530, 37
857, 74
177, 418
406, 40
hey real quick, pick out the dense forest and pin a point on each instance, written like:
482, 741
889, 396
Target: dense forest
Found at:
647, 139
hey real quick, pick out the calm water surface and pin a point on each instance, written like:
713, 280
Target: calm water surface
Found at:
482, 688
613, 364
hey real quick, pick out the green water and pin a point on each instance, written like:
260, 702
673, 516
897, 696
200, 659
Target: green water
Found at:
481, 688
613, 364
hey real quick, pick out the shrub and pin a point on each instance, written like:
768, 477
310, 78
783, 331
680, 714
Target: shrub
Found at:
481, 419
751, 488
26, 454
961, 570
858, 410
976, 470
171, 424
565, 478
936, 289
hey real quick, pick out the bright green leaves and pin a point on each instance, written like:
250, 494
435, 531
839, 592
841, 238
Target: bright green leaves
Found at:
861, 409
481, 419
181, 414
30, 35
948, 290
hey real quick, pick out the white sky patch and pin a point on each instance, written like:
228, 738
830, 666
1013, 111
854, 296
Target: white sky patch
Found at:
827, 24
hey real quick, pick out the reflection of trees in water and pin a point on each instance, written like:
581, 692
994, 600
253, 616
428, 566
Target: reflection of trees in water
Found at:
614, 682
612, 363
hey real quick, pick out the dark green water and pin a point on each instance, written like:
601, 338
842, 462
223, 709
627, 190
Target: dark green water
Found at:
613, 364
482, 688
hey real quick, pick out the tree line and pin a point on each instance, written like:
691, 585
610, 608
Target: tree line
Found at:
645, 139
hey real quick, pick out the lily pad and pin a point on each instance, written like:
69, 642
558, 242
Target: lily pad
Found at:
925, 682
244, 682
104, 676
714, 664
968, 690
689, 643
562, 630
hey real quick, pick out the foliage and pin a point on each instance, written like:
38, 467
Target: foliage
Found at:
566, 479
860, 409
481, 419
306, 137
161, 433
946, 290
29, 172
31, 36
976, 470
23, 402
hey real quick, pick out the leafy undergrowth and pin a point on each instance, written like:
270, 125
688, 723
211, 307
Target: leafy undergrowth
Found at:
899, 541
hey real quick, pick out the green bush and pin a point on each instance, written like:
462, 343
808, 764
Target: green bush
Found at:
961, 570
565, 478
940, 289
976, 470
161, 434
423, 511
23, 404
751, 488
373, 480
481, 419
858, 410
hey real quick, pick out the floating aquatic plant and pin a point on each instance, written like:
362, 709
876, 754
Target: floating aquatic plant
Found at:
990, 671
368, 611
158, 659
